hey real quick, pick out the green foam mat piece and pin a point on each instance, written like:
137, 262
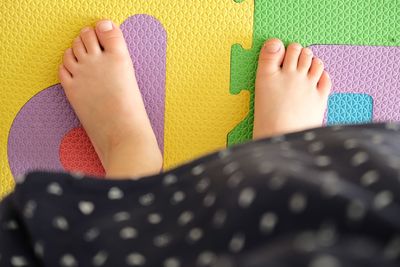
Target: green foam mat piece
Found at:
308, 22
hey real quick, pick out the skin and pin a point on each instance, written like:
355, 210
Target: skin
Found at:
99, 81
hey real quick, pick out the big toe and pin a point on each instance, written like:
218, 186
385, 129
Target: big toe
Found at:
271, 57
110, 36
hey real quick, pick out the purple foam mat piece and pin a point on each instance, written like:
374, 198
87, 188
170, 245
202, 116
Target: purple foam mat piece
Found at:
39, 127
372, 70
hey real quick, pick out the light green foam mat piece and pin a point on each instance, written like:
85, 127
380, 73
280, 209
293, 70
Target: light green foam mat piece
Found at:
308, 22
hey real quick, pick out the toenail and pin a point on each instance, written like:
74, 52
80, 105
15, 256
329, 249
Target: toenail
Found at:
86, 29
308, 52
105, 26
273, 47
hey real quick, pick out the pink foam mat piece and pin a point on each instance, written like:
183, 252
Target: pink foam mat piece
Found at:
38, 129
372, 70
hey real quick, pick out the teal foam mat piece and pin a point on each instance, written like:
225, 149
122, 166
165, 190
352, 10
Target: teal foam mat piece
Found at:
349, 108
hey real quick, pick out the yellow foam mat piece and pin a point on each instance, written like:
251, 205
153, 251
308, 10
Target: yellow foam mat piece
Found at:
199, 108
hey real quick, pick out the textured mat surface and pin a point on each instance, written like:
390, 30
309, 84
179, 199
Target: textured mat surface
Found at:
310, 22
199, 110
44, 134
371, 70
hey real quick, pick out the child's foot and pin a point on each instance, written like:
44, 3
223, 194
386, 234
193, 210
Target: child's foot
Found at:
99, 80
292, 90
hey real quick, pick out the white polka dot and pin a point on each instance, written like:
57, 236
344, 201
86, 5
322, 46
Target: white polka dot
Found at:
246, 197
29, 209
177, 197
306, 241
392, 250
392, 126
10, 225
277, 139
325, 261
237, 242
54, 189
309, 136
326, 235
121, 216
154, 218
209, 199
39, 249
297, 203
223, 154
100, 258
394, 162
170, 179
162, 240
231, 168
268, 222
135, 259
202, 185
60, 223
18, 261
382, 200
295, 166
258, 152
20, 179
185, 218
172, 262
323, 161
285, 146
199, 169
219, 218
235, 179
356, 210
68, 260
369, 178
147, 199
128, 233
315, 147
194, 235
206, 258
350, 143
77, 175
377, 139
337, 127
265, 167
91, 234
276, 182
115, 193
330, 184
359, 158
86, 207
290, 154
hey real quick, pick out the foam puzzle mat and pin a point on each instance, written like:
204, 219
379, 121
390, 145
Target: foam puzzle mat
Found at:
195, 63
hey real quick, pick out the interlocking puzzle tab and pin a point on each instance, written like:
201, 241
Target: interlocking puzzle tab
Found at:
353, 22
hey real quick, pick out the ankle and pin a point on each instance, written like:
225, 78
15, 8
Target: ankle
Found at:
133, 158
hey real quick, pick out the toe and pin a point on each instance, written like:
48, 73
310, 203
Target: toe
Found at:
110, 36
79, 48
90, 41
316, 70
292, 57
271, 57
325, 84
305, 60
69, 60
64, 76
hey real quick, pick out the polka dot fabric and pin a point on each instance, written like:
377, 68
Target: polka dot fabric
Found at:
325, 197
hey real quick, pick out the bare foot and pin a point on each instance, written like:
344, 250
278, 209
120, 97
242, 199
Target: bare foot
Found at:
292, 90
99, 80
